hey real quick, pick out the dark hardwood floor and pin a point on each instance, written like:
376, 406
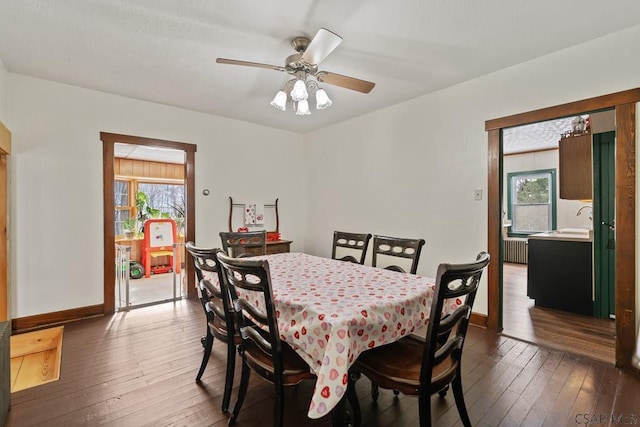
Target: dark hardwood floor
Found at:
583, 335
138, 369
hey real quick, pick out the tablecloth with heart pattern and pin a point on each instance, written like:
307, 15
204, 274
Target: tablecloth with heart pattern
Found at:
330, 311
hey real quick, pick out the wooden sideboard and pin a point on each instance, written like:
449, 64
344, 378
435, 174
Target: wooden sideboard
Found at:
273, 247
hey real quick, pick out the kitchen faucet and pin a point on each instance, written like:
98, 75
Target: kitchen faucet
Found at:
585, 207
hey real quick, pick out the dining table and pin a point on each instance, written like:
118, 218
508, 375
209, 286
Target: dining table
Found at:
330, 311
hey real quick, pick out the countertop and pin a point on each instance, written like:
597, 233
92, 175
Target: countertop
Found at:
567, 234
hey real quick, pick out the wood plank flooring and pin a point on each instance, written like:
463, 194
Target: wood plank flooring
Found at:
138, 369
574, 333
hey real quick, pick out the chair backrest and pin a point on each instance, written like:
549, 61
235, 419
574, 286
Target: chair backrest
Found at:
397, 247
204, 260
355, 241
238, 244
258, 325
445, 336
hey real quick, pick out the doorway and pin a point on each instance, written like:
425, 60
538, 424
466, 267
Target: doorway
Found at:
624, 104
109, 142
543, 193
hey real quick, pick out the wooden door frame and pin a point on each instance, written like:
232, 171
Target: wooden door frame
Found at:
624, 104
5, 150
108, 142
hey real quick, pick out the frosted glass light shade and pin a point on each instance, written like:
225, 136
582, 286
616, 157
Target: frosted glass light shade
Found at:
322, 99
280, 101
303, 108
299, 91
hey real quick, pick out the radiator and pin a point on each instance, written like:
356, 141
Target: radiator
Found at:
515, 250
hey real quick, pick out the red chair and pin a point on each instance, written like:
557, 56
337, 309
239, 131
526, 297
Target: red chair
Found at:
159, 237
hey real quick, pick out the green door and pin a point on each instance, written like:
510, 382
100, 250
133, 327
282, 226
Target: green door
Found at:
604, 224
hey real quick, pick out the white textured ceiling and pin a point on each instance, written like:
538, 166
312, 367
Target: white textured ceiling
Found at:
164, 50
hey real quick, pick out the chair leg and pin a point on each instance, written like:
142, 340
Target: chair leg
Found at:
456, 385
278, 405
444, 390
424, 409
228, 382
352, 397
374, 391
338, 414
242, 391
207, 343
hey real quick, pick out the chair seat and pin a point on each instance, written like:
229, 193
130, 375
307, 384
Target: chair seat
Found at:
397, 366
295, 369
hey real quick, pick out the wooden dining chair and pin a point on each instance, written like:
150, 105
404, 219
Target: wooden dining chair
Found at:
244, 244
355, 241
261, 348
409, 249
424, 367
219, 314
397, 247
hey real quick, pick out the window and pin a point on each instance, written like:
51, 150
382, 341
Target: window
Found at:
122, 204
531, 201
166, 198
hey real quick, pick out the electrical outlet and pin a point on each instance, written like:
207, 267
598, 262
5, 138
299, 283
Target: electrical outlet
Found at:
477, 194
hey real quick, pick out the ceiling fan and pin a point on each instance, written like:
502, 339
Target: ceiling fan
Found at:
305, 63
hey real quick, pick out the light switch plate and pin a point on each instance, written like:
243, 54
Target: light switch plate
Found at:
477, 194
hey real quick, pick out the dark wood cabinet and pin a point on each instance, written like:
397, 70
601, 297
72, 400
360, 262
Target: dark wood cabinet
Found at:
559, 275
576, 167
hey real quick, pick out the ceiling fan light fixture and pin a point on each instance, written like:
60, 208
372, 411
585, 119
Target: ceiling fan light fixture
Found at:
299, 91
280, 101
303, 108
322, 100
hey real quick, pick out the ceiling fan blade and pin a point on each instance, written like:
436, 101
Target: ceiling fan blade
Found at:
321, 46
249, 64
345, 81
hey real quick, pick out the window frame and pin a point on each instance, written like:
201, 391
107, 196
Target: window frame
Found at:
553, 201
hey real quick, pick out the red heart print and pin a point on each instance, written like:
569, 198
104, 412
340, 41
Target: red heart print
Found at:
297, 335
384, 328
345, 378
325, 392
364, 313
458, 301
304, 331
371, 344
293, 322
321, 317
360, 332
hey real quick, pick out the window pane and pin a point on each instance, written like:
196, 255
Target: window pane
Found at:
167, 199
531, 218
120, 216
164, 197
532, 189
121, 190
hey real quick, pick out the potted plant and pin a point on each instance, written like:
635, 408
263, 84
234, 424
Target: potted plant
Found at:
129, 227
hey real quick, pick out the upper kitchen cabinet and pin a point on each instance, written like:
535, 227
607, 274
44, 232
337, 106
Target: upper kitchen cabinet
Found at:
575, 169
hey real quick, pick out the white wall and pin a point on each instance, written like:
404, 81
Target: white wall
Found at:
411, 169
565, 209
57, 177
3, 78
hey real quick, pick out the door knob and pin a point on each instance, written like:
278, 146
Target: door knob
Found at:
612, 227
